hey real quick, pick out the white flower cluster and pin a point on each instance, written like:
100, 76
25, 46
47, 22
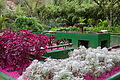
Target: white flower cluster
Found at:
81, 62
10, 5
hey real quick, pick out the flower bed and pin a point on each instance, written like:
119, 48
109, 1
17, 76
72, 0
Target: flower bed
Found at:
55, 53
16, 48
95, 64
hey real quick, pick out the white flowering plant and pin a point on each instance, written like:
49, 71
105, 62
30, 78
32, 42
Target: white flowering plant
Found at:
81, 62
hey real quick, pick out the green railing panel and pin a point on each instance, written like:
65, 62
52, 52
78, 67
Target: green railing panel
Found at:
119, 40
36, 32
39, 32
114, 40
104, 40
114, 77
4, 76
59, 54
95, 40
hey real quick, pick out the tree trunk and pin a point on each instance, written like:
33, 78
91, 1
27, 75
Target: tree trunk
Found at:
108, 21
0, 12
111, 17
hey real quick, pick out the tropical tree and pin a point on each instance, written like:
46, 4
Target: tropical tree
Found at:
107, 7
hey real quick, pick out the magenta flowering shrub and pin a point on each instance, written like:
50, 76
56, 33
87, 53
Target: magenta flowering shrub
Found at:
16, 47
51, 40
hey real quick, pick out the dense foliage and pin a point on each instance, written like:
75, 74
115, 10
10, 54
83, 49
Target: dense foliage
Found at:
2, 20
31, 23
15, 48
10, 17
60, 13
66, 29
2, 5
110, 9
68, 12
102, 25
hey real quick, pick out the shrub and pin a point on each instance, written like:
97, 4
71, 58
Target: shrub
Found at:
2, 20
102, 25
2, 4
66, 29
68, 12
11, 15
16, 48
31, 23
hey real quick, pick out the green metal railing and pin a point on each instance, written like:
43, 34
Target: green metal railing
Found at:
94, 40
114, 77
59, 54
4, 76
114, 40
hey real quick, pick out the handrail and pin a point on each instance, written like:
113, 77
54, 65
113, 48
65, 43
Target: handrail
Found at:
114, 77
114, 33
57, 46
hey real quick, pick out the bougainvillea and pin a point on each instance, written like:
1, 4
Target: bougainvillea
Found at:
15, 48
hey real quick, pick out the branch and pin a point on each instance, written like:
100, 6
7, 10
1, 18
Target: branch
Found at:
28, 5
37, 4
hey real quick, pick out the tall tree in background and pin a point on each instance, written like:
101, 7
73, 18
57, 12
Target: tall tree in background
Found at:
32, 5
2, 5
109, 5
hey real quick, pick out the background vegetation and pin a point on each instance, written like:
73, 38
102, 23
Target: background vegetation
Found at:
98, 14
